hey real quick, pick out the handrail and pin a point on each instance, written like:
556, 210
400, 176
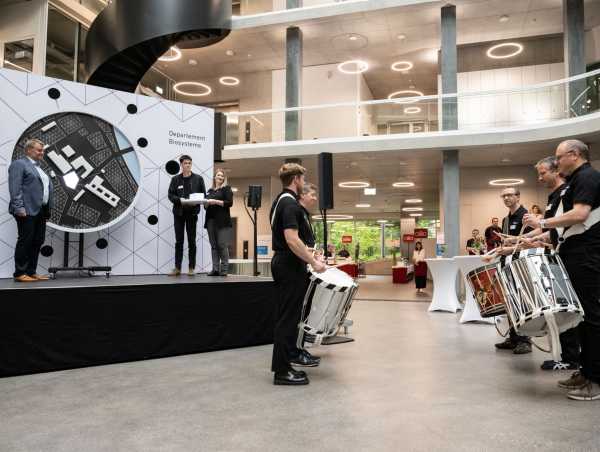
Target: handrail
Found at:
409, 100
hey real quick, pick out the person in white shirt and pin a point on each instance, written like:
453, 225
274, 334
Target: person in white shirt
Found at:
420, 267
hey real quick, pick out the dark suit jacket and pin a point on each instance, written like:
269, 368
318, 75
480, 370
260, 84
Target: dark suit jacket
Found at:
220, 214
26, 189
176, 193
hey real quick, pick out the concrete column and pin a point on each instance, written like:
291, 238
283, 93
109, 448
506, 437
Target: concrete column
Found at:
450, 162
574, 50
293, 82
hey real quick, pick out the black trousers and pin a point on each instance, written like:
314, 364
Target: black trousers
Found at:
186, 222
421, 282
291, 283
32, 233
219, 245
583, 267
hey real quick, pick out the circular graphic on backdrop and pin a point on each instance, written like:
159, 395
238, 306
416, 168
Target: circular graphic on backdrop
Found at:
93, 168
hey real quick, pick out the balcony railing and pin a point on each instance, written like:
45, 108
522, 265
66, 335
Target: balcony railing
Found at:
481, 110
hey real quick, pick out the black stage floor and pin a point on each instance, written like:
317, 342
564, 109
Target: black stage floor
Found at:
81, 321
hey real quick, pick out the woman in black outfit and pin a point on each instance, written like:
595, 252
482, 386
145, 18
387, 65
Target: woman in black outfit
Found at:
219, 200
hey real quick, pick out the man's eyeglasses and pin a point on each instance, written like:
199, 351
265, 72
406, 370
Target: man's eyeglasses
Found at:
558, 157
508, 195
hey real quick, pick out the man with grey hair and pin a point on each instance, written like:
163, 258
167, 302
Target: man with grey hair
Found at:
577, 224
30, 200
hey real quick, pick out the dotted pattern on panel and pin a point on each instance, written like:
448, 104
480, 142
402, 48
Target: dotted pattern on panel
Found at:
59, 201
100, 156
97, 140
116, 211
70, 123
83, 132
50, 137
73, 209
87, 214
118, 181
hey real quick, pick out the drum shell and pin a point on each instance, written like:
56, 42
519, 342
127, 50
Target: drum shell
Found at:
487, 291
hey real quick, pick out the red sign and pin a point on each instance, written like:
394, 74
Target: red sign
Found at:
421, 233
346, 239
408, 238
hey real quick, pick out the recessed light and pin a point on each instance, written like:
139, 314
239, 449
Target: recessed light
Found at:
333, 217
503, 18
403, 184
413, 201
506, 160
370, 191
401, 36
412, 110
407, 93
382, 221
234, 189
416, 214
352, 37
193, 62
353, 184
173, 54
401, 66
517, 48
412, 209
206, 92
158, 89
229, 52
363, 205
229, 81
506, 182
401, 163
361, 66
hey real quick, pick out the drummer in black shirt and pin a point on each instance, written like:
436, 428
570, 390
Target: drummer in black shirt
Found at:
512, 224
578, 231
288, 267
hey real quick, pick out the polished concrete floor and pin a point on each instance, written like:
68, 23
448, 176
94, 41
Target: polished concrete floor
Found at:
381, 287
412, 381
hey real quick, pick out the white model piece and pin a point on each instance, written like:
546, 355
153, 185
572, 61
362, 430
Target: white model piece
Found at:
48, 126
68, 151
52, 174
60, 162
81, 161
78, 195
95, 187
71, 180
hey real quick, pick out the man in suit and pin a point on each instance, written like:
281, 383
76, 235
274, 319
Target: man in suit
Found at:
30, 201
185, 216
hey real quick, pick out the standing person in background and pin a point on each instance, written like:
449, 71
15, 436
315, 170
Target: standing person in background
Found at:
420, 267
475, 245
219, 200
491, 239
535, 210
185, 217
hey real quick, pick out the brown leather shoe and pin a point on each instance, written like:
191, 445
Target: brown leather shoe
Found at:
40, 277
24, 278
175, 272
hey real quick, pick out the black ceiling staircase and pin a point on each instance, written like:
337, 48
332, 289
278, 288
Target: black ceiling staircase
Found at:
128, 36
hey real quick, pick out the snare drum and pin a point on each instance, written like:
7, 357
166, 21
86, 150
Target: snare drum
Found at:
486, 287
538, 288
326, 304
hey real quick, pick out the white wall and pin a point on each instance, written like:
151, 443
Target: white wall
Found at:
592, 45
25, 20
256, 95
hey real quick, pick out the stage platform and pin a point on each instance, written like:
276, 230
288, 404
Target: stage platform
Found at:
76, 321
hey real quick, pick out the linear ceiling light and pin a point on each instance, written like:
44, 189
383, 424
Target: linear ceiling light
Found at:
353, 184
403, 184
412, 209
361, 66
229, 81
416, 214
517, 48
207, 89
405, 93
413, 201
173, 54
333, 217
401, 66
363, 205
506, 182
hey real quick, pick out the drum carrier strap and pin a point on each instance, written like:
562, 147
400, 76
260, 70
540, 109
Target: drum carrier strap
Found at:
285, 195
576, 229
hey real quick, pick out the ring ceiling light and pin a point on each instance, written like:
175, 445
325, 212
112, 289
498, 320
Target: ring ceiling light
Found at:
402, 66
413, 201
382, 221
353, 184
363, 205
229, 81
207, 89
412, 110
361, 66
333, 217
506, 182
403, 184
517, 48
407, 93
412, 209
416, 214
173, 55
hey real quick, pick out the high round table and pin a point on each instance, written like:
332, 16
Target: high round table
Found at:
471, 312
444, 272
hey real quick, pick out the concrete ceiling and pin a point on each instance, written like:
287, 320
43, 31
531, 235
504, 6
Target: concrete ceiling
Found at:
328, 40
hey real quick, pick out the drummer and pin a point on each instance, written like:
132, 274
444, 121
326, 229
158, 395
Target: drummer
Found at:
548, 175
512, 224
288, 267
577, 224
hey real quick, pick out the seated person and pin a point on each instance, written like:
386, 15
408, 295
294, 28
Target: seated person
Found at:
344, 253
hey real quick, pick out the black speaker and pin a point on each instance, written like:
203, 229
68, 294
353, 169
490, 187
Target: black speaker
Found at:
254, 196
220, 137
325, 181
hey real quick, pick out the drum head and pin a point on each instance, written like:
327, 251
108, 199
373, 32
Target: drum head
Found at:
334, 276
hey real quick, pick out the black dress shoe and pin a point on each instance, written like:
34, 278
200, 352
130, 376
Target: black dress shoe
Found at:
213, 273
222, 273
290, 378
305, 359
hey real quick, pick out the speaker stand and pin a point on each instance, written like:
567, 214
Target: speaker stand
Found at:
80, 268
255, 224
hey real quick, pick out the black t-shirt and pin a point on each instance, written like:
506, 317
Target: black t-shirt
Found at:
471, 244
187, 186
289, 215
306, 232
512, 223
551, 207
582, 187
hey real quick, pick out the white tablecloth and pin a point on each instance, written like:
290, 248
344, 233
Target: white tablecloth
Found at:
444, 272
471, 312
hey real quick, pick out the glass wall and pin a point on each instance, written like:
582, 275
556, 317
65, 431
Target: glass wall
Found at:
18, 55
63, 35
365, 234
